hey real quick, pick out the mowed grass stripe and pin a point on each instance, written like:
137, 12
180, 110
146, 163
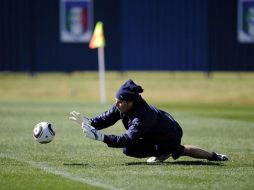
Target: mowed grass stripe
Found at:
43, 166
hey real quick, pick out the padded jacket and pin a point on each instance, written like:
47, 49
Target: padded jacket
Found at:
143, 121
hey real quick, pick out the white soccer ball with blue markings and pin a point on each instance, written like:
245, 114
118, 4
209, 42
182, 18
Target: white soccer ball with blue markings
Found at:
44, 132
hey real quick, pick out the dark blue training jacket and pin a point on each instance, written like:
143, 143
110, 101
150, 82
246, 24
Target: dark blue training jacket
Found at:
142, 122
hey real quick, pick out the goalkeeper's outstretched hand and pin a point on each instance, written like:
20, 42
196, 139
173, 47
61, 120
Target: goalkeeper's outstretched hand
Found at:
92, 133
85, 123
79, 118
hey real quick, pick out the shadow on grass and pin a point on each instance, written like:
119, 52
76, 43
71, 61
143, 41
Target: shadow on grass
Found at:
183, 163
75, 164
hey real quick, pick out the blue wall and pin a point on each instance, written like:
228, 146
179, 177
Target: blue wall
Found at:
16, 51
140, 35
164, 35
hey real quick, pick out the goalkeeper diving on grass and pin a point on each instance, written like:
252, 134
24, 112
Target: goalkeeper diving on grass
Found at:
150, 132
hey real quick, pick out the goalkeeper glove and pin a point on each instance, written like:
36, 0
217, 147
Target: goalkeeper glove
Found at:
79, 118
92, 133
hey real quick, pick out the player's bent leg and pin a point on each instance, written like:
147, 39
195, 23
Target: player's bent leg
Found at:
144, 149
165, 151
196, 152
140, 149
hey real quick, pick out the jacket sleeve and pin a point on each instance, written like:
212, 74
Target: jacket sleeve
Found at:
106, 119
135, 131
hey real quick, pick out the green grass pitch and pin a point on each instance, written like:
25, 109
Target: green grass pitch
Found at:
72, 161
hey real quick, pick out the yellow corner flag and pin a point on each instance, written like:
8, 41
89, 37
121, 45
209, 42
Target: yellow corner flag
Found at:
97, 39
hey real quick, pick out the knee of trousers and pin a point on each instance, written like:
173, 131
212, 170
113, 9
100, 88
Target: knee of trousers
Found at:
130, 152
126, 151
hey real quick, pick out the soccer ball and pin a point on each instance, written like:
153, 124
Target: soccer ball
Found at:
43, 132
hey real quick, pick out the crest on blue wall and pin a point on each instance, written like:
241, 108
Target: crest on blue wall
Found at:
76, 20
246, 21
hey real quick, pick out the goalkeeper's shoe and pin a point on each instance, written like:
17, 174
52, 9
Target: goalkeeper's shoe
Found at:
158, 159
218, 157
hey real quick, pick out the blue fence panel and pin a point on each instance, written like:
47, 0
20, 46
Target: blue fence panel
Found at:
164, 35
16, 52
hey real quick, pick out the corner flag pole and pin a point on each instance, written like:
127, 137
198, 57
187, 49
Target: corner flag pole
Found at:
98, 41
101, 62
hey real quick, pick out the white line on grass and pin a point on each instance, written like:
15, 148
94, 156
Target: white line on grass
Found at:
64, 174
